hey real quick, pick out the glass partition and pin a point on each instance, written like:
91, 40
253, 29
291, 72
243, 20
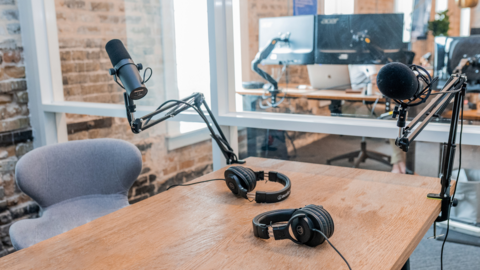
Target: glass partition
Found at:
335, 75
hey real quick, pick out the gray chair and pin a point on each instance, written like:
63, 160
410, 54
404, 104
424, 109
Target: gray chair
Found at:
74, 183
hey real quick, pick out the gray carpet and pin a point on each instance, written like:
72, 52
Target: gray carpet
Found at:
427, 255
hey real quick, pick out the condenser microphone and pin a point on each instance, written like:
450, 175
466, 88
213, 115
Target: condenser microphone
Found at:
125, 69
397, 81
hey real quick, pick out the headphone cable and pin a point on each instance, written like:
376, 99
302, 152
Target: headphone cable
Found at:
183, 185
326, 238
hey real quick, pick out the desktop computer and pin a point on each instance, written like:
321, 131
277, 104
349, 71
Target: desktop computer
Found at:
359, 39
448, 53
298, 49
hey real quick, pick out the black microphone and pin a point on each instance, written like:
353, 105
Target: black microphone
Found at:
397, 81
125, 69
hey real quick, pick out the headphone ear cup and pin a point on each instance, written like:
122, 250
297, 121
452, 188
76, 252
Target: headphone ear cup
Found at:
321, 221
247, 177
325, 219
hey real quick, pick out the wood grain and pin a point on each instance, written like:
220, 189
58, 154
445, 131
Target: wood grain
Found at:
379, 220
472, 115
317, 94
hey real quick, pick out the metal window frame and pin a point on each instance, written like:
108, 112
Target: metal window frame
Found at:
47, 105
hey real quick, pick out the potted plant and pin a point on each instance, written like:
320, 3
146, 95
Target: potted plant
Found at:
441, 25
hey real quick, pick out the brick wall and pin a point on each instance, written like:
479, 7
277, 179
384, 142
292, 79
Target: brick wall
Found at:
15, 132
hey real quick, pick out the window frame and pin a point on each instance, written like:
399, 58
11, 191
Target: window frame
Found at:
47, 104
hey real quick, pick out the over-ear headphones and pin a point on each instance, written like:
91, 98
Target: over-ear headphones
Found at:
241, 181
311, 225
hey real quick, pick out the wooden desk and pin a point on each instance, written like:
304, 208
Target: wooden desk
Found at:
316, 94
467, 115
379, 220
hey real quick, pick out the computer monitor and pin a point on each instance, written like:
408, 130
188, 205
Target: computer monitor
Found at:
448, 53
359, 39
299, 50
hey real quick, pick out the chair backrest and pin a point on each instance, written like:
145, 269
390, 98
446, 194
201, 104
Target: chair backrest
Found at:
52, 174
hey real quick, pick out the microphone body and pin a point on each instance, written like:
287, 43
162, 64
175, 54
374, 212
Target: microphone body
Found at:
397, 81
126, 69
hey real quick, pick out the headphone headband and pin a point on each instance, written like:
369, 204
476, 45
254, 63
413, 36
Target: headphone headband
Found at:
275, 196
241, 181
303, 222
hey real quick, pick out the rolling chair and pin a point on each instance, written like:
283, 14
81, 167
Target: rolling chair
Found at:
363, 154
74, 183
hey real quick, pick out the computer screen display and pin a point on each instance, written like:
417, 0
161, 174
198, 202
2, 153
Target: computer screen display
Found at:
358, 38
448, 53
299, 50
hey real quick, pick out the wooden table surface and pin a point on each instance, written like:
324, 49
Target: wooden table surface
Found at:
317, 94
472, 115
379, 220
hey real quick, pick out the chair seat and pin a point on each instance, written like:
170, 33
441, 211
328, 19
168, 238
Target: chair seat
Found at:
64, 216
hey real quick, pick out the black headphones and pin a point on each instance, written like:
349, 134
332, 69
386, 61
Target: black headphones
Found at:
241, 181
310, 225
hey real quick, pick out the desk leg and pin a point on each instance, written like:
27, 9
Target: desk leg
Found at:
410, 158
407, 265
335, 107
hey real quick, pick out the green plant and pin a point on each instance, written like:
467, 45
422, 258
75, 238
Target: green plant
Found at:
440, 26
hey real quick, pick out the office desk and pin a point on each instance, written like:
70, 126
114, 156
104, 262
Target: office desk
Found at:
471, 115
379, 220
316, 94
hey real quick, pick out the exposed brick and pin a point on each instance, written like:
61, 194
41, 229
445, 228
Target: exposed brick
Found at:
22, 148
101, 6
79, 55
13, 28
186, 164
5, 217
144, 146
12, 138
140, 181
131, 201
150, 189
89, 30
10, 14
5, 98
9, 44
4, 229
74, 4
89, 125
24, 209
9, 86
65, 56
7, 2
15, 72
14, 123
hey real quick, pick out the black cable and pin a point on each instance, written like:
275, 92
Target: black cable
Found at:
455, 189
326, 238
182, 185
145, 72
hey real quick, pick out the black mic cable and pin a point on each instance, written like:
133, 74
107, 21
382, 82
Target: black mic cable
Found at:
455, 189
328, 241
190, 184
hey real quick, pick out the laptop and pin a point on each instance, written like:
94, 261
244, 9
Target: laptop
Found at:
335, 77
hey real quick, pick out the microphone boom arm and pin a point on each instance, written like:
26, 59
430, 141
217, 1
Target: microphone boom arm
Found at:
455, 89
194, 101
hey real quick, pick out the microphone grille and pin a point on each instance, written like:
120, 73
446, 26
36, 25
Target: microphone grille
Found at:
397, 81
116, 51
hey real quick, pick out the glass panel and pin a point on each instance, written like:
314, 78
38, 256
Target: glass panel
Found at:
324, 65
159, 34
337, 150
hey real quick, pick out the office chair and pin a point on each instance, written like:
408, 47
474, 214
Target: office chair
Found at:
74, 183
363, 154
